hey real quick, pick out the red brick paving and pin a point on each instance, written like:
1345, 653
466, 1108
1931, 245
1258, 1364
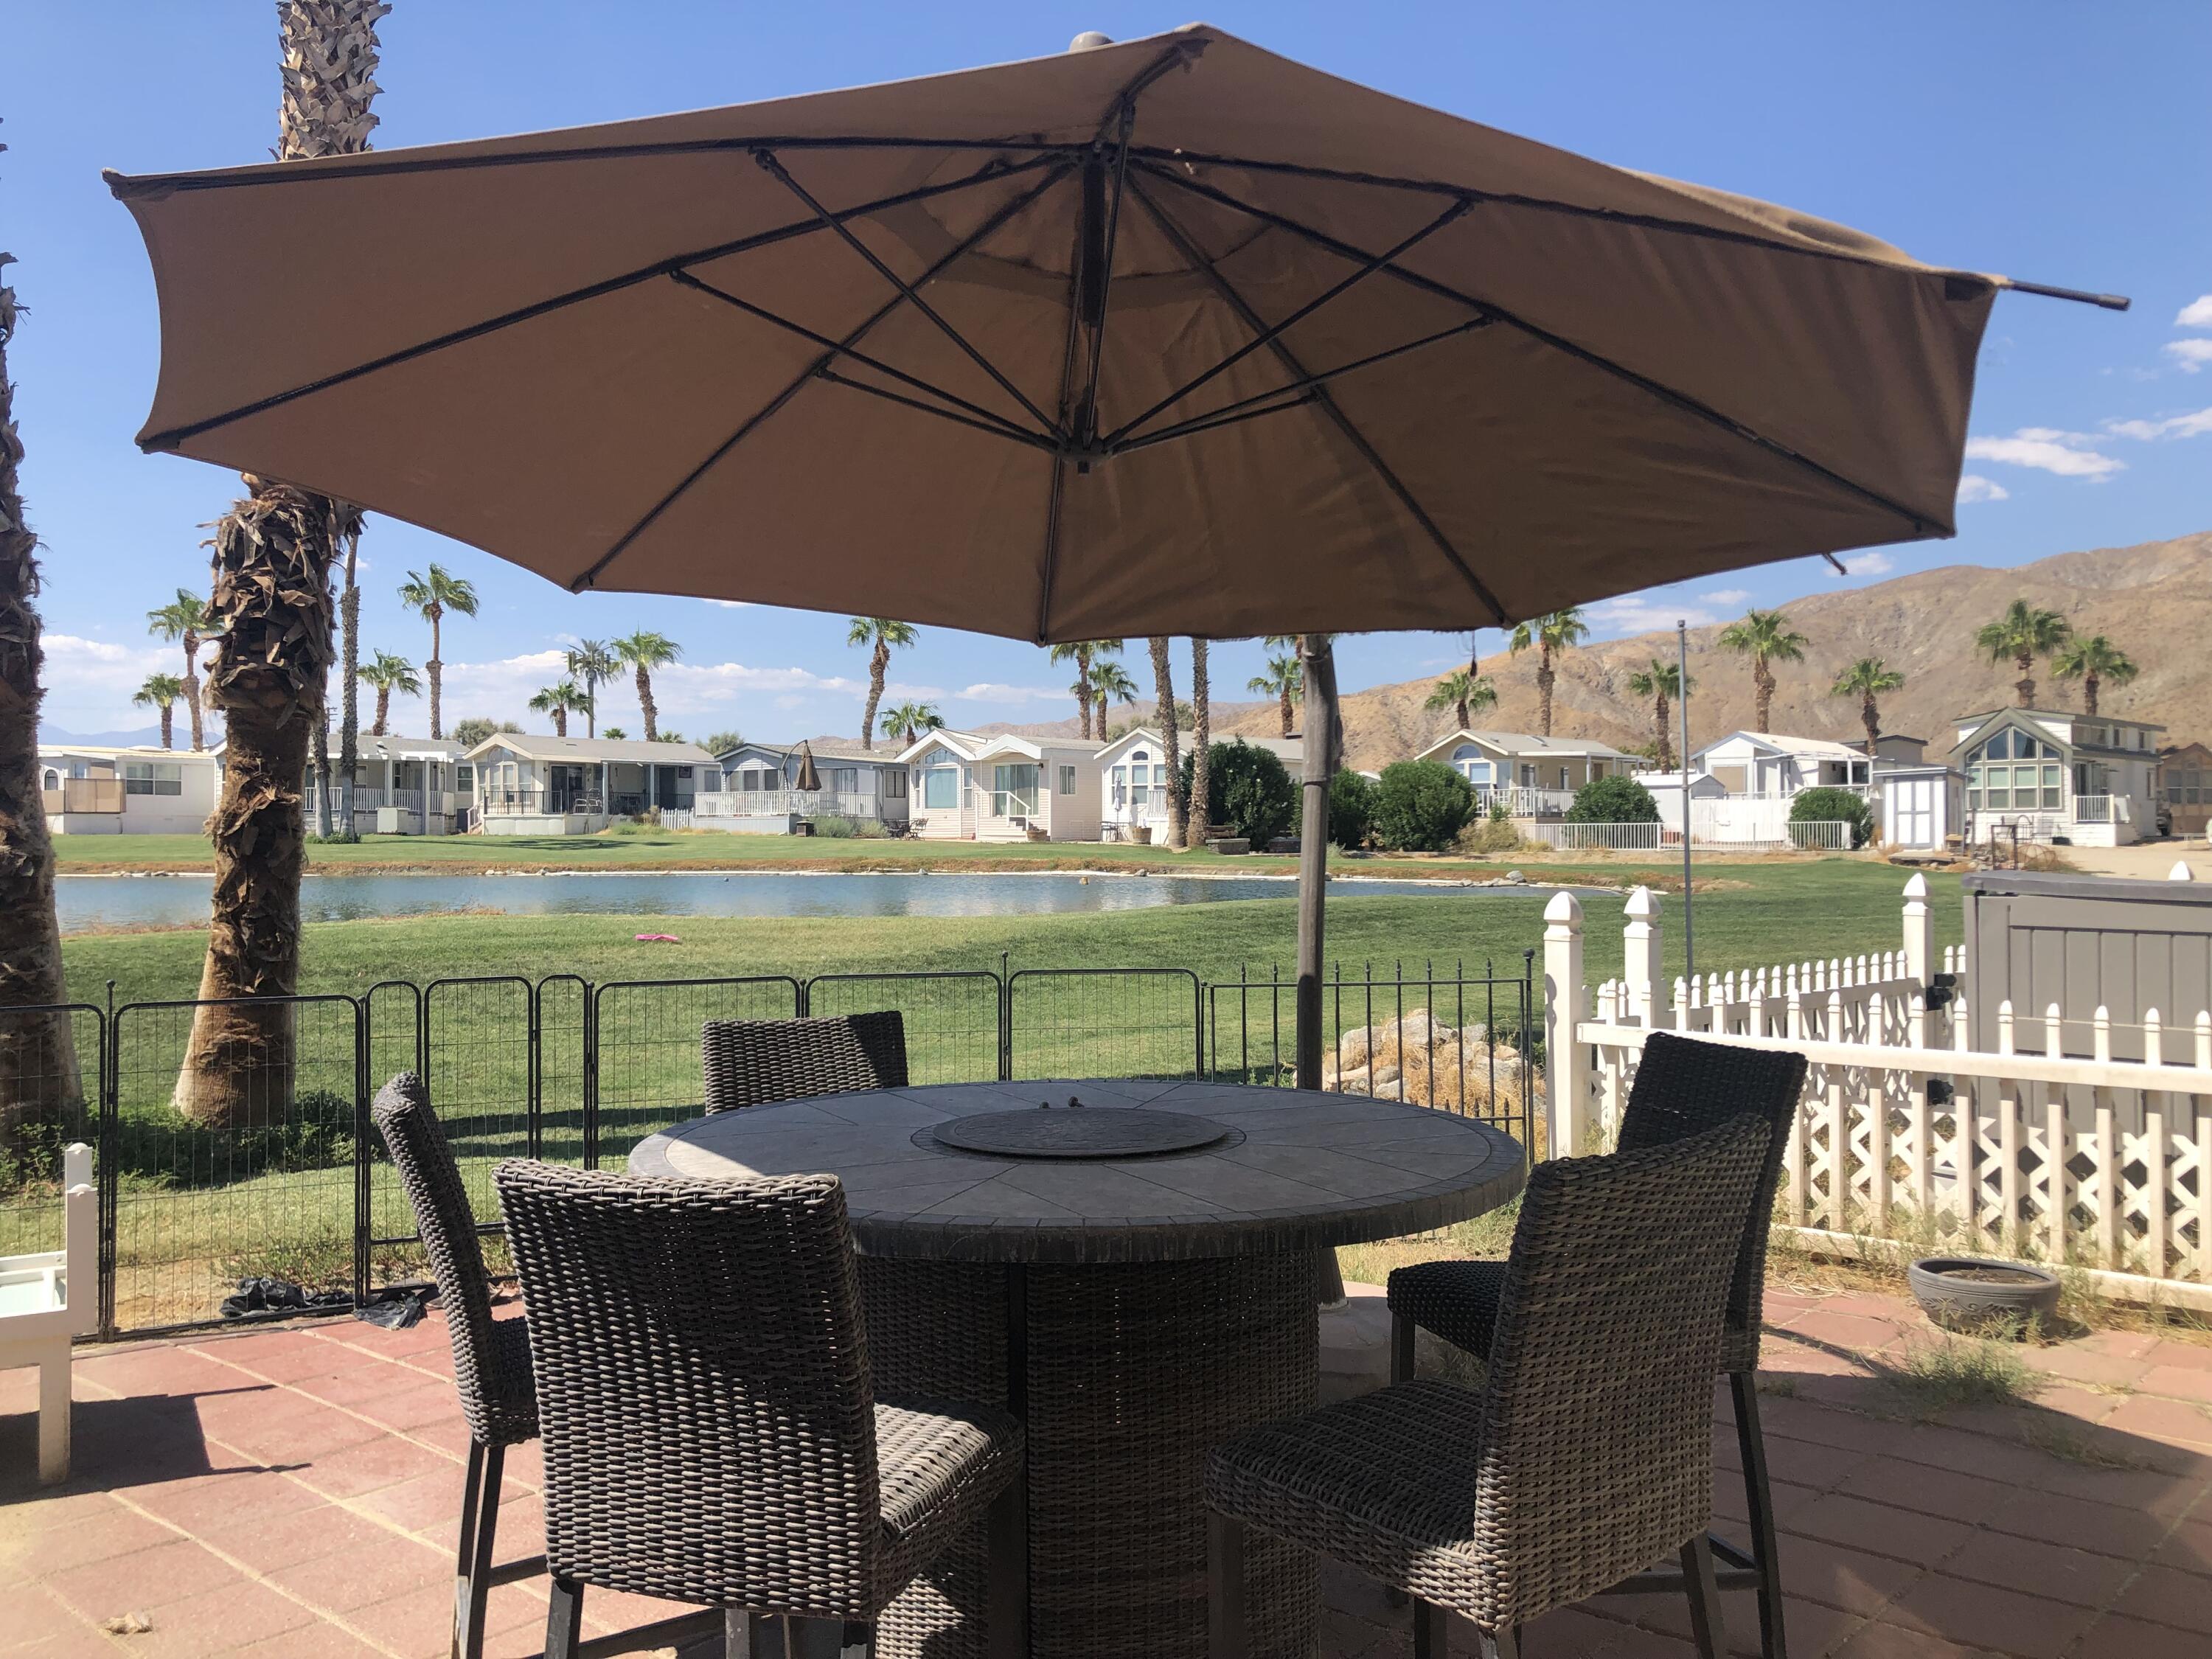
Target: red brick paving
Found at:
293, 1493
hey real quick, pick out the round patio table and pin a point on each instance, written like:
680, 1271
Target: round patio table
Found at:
1132, 1276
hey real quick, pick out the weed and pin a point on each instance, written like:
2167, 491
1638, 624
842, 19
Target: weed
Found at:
2060, 1439
1961, 1372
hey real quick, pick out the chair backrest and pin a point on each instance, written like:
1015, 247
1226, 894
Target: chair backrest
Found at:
703, 1387
750, 1060
1596, 1454
416, 1141
1684, 1087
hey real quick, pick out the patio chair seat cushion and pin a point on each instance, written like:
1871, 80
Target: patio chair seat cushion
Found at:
937, 1467
1458, 1302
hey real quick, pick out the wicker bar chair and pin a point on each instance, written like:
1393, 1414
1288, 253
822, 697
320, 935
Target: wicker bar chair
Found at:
710, 1427
492, 1356
750, 1060
1682, 1087
1586, 1456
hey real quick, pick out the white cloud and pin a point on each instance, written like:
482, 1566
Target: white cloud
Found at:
1638, 613
2196, 423
78, 667
1972, 487
1868, 564
2190, 355
2197, 313
998, 691
1726, 596
2046, 449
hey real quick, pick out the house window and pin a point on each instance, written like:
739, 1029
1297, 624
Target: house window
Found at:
1563, 777
151, 778
1066, 780
894, 785
53, 780
2051, 787
941, 787
845, 779
1527, 775
1015, 787
1139, 776
464, 778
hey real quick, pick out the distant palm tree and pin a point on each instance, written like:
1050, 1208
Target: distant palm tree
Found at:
1171, 745
1110, 683
386, 674
615, 734
1661, 682
1201, 739
1462, 693
160, 692
908, 721
558, 699
1867, 679
2019, 636
1766, 637
880, 635
1550, 634
186, 618
432, 597
1082, 654
719, 742
2092, 661
591, 661
1285, 682
645, 651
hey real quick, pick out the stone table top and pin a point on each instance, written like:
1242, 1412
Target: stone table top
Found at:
1296, 1170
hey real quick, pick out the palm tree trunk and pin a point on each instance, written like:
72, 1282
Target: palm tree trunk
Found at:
2025, 686
2089, 693
560, 723
646, 706
1163, 689
1870, 717
880, 662
320, 759
1100, 724
1665, 745
436, 668
591, 705
1465, 717
40, 1094
1283, 707
273, 555
348, 674
1083, 691
383, 710
192, 690
168, 722
1762, 684
1201, 741
1544, 688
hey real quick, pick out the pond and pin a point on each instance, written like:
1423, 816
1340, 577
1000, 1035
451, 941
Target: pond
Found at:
90, 904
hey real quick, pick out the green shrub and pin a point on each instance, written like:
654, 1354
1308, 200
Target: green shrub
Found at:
834, 827
1421, 807
1350, 810
1832, 805
1493, 835
1615, 799
1249, 789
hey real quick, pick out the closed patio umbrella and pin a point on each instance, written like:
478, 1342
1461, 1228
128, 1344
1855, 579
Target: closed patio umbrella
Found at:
1172, 337
808, 779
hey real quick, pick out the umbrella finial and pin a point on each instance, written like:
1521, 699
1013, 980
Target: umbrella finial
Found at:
1090, 40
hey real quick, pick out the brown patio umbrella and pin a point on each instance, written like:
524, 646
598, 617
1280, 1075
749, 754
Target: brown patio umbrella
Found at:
808, 779
1169, 337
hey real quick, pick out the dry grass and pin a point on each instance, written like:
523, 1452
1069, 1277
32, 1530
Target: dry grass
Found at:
1957, 1373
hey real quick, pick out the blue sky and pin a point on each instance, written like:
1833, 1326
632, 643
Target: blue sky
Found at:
2051, 141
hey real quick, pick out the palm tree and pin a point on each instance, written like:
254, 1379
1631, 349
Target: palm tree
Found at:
348, 519
387, 674
1082, 654
1766, 637
557, 701
1550, 634
2092, 661
1110, 683
186, 618
1867, 679
1285, 682
1201, 739
615, 734
880, 634
591, 662
907, 721
645, 651
1170, 749
271, 601
432, 597
1462, 693
1662, 681
2019, 636
40, 1088
160, 692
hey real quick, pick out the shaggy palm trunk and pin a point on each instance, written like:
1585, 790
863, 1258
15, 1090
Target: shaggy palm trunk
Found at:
1101, 722
880, 662
1870, 717
1465, 717
560, 723
2024, 688
383, 710
320, 760
348, 674
1202, 742
168, 723
591, 705
435, 611
1083, 693
41, 1097
1665, 745
1170, 751
2088, 694
272, 554
1762, 686
1544, 678
1286, 710
192, 704
647, 707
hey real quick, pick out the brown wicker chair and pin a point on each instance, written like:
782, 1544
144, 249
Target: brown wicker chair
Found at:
1588, 1454
711, 1433
751, 1061
1682, 1087
492, 1356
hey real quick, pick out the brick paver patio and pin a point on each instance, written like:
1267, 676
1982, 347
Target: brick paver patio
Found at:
292, 1494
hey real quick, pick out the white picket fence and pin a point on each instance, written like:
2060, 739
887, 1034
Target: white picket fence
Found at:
1820, 835
1909, 1130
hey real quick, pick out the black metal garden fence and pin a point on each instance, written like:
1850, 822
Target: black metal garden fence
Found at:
234, 1141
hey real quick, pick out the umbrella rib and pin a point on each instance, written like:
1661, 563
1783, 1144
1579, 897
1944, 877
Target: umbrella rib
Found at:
1328, 404
776, 170
1050, 564
974, 238
990, 418
1922, 525
174, 436
995, 429
1380, 261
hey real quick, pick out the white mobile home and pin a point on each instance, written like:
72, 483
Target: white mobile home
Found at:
2045, 773
1535, 777
406, 787
964, 787
527, 785
1771, 766
760, 793
95, 791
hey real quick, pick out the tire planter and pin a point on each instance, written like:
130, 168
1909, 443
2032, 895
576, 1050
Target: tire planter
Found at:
1971, 1293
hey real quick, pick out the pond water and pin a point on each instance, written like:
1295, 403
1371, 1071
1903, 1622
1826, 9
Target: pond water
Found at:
101, 904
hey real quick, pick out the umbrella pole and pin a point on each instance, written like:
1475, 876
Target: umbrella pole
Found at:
1323, 743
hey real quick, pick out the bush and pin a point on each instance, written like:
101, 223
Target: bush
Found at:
1615, 799
1350, 810
1249, 789
838, 828
1493, 835
1421, 807
1831, 806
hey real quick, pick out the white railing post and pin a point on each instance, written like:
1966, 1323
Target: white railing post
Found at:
2204, 1110
2108, 1151
1566, 1062
1921, 960
2181, 871
1640, 956
2154, 1150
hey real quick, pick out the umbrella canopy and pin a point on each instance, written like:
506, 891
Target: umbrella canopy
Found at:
1169, 337
808, 778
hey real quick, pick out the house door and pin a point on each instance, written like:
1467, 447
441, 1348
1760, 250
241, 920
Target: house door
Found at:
1913, 820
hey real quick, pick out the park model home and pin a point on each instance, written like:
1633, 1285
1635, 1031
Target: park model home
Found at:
405, 786
1134, 780
91, 790
760, 795
967, 787
2185, 774
531, 786
1768, 766
2043, 774
1535, 777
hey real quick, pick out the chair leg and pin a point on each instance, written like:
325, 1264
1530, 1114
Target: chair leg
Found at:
54, 1417
1708, 1627
479, 1526
1224, 1586
1430, 1640
1502, 1644
748, 1635
1402, 1331
1007, 1546
564, 1619
826, 1638
1758, 1498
